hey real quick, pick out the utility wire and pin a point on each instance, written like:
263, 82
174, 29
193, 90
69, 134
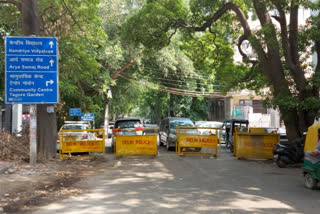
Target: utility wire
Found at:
192, 75
173, 84
176, 90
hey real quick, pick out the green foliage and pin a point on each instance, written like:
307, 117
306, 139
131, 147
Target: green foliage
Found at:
311, 104
98, 38
154, 23
81, 47
9, 26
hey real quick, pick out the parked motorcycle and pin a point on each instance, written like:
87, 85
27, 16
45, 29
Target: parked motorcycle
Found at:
289, 153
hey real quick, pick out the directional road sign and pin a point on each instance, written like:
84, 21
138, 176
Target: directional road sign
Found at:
31, 70
75, 112
87, 117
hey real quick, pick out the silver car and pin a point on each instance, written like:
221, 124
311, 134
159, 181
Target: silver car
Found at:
168, 127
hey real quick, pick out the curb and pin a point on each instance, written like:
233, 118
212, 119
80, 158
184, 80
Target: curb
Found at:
5, 166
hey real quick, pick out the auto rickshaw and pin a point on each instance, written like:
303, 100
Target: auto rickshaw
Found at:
228, 129
311, 171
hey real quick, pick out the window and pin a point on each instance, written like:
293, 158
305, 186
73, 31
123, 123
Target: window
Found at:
258, 107
245, 102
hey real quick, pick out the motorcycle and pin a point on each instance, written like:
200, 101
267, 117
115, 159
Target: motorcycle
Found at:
289, 153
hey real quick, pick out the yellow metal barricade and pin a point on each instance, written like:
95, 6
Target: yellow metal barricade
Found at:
69, 142
191, 143
312, 137
141, 144
254, 143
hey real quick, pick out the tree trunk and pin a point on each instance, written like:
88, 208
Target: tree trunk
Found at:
8, 118
47, 132
106, 119
46, 122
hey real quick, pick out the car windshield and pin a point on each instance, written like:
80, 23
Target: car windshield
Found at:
127, 124
199, 123
175, 123
212, 125
73, 127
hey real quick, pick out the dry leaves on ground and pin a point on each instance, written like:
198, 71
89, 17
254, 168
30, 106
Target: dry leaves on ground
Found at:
14, 147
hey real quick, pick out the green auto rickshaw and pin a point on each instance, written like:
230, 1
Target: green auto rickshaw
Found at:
311, 171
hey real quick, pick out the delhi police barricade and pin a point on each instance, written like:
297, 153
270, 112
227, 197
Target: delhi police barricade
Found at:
135, 142
80, 141
190, 142
254, 143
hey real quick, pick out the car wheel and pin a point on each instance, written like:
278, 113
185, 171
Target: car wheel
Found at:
310, 182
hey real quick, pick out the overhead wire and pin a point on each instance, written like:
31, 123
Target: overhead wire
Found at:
176, 91
173, 84
183, 81
191, 75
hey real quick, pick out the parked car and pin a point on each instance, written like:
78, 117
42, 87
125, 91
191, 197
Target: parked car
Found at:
126, 126
151, 129
110, 127
81, 134
168, 130
209, 124
109, 130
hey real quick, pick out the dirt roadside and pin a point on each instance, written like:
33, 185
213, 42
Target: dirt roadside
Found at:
23, 188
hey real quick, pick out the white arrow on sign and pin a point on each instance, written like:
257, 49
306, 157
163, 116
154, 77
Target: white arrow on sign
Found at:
51, 62
49, 82
51, 44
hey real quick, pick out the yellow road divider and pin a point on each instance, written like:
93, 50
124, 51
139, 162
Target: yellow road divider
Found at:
136, 143
190, 142
80, 141
254, 143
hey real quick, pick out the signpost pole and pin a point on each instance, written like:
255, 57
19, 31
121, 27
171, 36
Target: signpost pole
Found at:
33, 134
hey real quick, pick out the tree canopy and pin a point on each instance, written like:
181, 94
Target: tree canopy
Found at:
166, 57
279, 46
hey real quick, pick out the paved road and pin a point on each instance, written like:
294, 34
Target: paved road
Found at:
172, 184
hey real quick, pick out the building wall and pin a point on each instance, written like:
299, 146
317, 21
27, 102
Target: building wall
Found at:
229, 107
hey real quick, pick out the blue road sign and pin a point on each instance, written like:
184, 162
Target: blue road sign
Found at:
31, 70
87, 117
75, 112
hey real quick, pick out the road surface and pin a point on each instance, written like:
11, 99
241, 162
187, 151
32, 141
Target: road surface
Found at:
173, 184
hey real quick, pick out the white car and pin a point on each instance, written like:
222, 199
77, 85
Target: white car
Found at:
109, 130
209, 124
82, 134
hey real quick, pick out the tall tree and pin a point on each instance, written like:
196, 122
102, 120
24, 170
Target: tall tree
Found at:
46, 122
279, 51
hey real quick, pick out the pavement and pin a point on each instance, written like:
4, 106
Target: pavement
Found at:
5, 165
169, 183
